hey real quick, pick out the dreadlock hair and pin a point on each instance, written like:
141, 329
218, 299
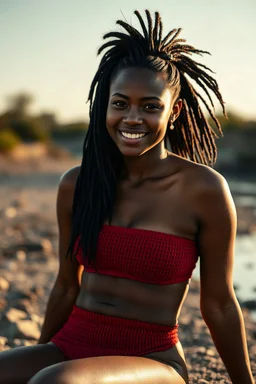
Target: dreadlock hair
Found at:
192, 137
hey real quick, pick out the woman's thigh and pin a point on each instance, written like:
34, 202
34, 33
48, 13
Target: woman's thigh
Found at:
109, 370
18, 365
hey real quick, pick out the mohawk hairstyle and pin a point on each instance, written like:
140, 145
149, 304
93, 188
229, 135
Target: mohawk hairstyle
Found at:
192, 137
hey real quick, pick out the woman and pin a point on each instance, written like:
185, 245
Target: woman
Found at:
133, 220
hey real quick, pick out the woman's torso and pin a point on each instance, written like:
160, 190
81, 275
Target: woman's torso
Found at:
162, 204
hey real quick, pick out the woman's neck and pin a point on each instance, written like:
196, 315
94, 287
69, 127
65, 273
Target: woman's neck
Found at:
144, 166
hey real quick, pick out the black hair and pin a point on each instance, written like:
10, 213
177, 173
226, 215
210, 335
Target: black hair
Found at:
192, 138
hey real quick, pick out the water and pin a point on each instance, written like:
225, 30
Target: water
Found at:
244, 267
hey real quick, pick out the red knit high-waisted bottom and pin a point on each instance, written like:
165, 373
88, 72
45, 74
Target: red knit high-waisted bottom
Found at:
90, 334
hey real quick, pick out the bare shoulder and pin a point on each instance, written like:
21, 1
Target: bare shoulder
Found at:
204, 188
70, 176
211, 195
67, 186
200, 178
206, 179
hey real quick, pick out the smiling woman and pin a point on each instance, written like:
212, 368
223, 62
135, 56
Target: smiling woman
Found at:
139, 110
133, 219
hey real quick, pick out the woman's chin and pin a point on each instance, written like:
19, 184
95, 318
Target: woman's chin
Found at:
131, 152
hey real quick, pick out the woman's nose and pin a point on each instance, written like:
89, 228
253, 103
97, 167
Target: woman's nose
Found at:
132, 117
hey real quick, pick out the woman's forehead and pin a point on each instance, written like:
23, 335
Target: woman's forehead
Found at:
131, 79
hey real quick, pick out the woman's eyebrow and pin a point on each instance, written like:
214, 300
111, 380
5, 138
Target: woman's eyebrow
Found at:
142, 98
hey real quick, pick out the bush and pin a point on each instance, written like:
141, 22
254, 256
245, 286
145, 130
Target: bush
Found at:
8, 140
30, 130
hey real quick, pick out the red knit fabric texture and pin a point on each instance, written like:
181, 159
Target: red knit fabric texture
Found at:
143, 255
90, 334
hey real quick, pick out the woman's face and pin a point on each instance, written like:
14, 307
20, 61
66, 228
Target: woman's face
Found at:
139, 109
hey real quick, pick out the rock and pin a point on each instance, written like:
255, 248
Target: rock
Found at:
27, 329
17, 343
13, 315
27, 343
201, 351
3, 340
21, 255
21, 329
210, 352
10, 212
8, 275
47, 245
17, 295
186, 320
4, 284
11, 265
37, 319
24, 305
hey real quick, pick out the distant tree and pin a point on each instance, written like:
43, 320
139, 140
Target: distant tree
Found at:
19, 104
49, 121
8, 140
30, 129
18, 119
5, 121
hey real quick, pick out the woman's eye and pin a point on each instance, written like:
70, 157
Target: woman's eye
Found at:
151, 106
119, 104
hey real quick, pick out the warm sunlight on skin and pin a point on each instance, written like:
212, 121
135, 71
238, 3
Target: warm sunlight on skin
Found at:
141, 101
128, 377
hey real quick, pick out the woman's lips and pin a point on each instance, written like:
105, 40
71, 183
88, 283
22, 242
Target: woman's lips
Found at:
132, 137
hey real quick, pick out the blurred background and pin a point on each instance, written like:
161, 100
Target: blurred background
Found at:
48, 58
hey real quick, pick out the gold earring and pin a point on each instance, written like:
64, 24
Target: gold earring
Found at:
171, 126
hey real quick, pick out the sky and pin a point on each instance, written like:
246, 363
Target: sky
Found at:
49, 48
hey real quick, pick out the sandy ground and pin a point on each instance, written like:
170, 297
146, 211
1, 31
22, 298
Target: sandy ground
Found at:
28, 267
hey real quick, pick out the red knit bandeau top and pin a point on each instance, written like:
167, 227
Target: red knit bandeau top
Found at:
142, 255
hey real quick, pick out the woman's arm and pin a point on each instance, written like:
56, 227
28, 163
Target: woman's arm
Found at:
219, 306
66, 287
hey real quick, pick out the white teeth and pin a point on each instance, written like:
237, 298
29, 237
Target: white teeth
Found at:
133, 135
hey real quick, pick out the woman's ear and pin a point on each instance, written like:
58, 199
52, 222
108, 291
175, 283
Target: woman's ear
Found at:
175, 111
